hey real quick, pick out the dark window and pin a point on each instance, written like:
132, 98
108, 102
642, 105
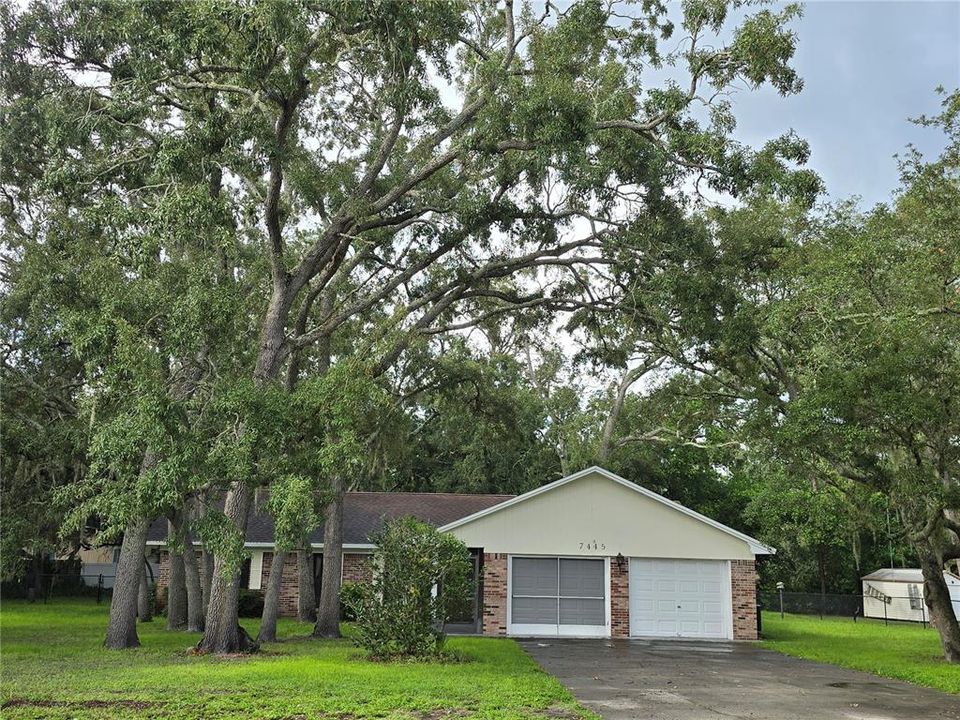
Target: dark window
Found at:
914, 592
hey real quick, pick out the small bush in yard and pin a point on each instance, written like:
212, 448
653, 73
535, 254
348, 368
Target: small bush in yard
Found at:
250, 603
351, 593
402, 610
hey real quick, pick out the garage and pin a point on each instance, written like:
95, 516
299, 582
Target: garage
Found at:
595, 555
561, 596
679, 598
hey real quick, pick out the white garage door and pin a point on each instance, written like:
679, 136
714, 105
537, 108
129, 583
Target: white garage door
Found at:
680, 598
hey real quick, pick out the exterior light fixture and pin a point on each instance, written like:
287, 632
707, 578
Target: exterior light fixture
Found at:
621, 562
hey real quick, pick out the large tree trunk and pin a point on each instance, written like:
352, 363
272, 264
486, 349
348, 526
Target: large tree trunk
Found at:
306, 594
328, 614
271, 599
306, 587
176, 582
936, 596
196, 610
122, 629
144, 606
223, 633
207, 558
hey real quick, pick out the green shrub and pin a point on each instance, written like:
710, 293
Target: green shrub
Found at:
401, 612
250, 603
351, 595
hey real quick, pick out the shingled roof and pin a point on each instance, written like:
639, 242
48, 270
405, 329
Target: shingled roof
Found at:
364, 514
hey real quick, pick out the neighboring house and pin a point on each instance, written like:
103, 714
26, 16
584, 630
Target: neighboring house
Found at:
590, 555
897, 594
101, 562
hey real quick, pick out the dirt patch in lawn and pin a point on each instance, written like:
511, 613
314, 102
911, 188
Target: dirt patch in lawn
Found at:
88, 704
442, 714
559, 713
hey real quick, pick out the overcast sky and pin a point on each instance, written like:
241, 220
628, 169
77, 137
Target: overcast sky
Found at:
867, 68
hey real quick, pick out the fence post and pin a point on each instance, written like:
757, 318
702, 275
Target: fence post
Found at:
884, 613
923, 613
99, 587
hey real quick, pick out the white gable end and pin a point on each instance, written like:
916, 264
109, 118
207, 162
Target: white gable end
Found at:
597, 513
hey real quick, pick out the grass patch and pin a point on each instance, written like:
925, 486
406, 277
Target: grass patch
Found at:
905, 651
52, 665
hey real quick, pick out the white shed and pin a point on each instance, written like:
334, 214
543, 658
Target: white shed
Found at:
897, 594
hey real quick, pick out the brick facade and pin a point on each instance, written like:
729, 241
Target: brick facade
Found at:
357, 567
619, 599
163, 573
163, 570
289, 587
494, 594
743, 581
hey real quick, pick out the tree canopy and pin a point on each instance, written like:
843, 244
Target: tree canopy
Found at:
314, 246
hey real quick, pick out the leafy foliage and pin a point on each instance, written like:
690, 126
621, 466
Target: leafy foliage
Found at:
401, 612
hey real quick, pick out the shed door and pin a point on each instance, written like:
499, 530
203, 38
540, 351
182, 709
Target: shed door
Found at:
558, 596
680, 598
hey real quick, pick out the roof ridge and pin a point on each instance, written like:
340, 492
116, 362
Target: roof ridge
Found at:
425, 492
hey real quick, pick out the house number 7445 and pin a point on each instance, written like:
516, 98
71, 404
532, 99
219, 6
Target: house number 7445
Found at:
593, 545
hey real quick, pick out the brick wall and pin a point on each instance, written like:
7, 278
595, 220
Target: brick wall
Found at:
289, 589
163, 570
494, 594
743, 579
357, 567
163, 573
619, 599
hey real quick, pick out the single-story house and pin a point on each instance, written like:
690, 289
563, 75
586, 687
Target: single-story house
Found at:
897, 594
589, 555
99, 565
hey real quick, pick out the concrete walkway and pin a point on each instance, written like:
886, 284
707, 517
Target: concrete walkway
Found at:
690, 680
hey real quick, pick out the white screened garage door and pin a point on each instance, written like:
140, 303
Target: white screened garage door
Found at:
680, 598
558, 596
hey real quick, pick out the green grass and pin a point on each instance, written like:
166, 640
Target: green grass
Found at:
905, 651
52, 665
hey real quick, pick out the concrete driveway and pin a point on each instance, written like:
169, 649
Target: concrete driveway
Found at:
689, 680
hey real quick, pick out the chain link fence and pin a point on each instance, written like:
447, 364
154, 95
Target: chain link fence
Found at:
877, 606
45, 587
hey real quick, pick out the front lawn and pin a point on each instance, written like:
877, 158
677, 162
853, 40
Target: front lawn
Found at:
53, 666
906, 651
